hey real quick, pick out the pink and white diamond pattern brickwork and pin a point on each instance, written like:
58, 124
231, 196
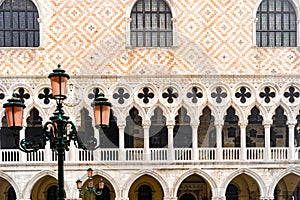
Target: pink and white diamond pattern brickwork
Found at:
89, 37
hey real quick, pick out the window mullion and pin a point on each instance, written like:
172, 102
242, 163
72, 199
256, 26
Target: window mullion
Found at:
151, 44
144, 23
268, 24
158, 23
11, 24
26, 25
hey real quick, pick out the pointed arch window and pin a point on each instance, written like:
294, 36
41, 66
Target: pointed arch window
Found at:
19, 26
151, 24
34, 126
276, 24
134, 132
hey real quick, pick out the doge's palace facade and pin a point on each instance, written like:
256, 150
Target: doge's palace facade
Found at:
212, 115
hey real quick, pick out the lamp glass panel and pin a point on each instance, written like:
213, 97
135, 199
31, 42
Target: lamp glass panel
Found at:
14, 115
59, 85
101, 114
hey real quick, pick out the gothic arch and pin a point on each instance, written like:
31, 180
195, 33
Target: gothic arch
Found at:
12, 182
262, 110
41, 111
108, 177
237, 109
279, 176
287, 111
252, 174
190, 111
150, 112
148, 172
30, 184
138, 107
77, 115
203, 174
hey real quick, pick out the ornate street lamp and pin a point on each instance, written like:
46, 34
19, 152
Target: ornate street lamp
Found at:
90, 188
58, 131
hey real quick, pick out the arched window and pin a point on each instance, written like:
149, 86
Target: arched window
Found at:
276, 24
19, 26
34, 126
151, 24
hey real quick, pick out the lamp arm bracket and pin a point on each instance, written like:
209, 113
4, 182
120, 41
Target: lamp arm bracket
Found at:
28, 146
73, 135
98, 193
90, 190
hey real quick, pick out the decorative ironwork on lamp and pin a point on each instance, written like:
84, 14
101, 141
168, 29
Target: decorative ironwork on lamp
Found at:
90, 188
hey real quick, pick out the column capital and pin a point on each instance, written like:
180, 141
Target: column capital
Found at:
121, 125
219, 123
291, 122
170, 124
146, 124
267, 123
194, 124
243, 124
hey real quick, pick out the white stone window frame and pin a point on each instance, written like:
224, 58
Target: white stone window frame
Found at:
39, 7
296, 5
128, 10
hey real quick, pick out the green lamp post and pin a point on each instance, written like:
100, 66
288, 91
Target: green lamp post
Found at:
58, 131
90, 188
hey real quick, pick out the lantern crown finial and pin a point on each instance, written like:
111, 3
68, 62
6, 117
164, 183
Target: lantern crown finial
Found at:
59, 72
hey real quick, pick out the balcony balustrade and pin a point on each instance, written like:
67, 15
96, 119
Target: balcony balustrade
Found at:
156, 155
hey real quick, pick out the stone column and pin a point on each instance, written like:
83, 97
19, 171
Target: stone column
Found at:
122, 153
267, 126
147, 153
219, 126
291, 125
23, 156
170, 142
48, 152
195, 155
243, 126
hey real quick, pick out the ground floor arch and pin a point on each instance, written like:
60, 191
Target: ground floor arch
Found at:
194, 187
108, 192
243, 187
6, 190
146, 188
288, 187
45, 189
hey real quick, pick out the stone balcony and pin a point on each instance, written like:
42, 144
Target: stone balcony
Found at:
160, 155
